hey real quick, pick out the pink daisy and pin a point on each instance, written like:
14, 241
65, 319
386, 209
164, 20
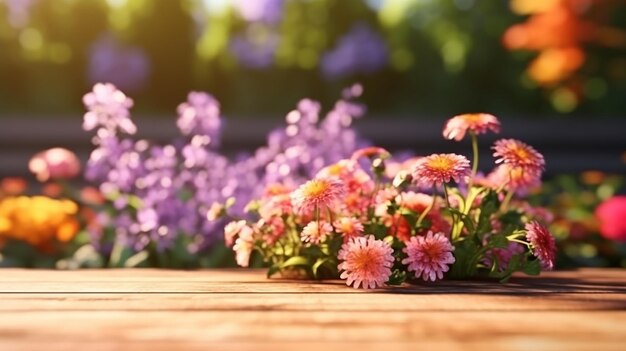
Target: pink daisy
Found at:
315, 232
437, 169
542, 244
514, 178
348, 227
316, 194
477, 123
231, 230
518, 154
243, 246
429, 256
366, 262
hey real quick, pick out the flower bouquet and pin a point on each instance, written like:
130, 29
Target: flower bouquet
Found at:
371, 220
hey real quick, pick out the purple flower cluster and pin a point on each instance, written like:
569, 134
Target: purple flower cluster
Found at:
162, 193
253, 49
125, 66
361, 51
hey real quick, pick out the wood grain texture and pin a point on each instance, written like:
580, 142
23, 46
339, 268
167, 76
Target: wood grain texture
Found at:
241, 310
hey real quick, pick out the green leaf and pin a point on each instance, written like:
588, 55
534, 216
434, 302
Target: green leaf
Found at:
296, 261
320, 262
119, 255
532, 267
137, 259
398, 276
273, 270
135, 202
498, 241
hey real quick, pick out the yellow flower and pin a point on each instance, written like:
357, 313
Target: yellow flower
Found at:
38, 220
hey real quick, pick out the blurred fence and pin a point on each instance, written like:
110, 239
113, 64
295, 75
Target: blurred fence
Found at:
568, 145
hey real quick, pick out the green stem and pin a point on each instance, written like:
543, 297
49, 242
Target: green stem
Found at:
474, 161
430, 207
454, 220
507, 200
519, 241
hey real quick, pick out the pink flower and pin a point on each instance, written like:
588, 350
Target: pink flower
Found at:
243, 246
429, 256
231, 230
315, 232
437, 169
370, 151
319, 193
271, 228
366, 262
542, 244
348, 227
611, 215
516, 179
55, 163
517, 154
477, 123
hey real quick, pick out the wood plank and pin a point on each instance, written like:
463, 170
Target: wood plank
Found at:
344, 303
234, 281
241, 309
310, 326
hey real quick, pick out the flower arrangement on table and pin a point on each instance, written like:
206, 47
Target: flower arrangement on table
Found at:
372, 221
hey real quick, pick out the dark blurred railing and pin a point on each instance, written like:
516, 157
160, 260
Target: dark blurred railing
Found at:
568, 145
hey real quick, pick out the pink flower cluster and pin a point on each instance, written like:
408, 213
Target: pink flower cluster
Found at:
404, 220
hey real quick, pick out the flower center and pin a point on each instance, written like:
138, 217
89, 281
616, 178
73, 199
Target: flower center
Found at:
521, 153
315, 188
433, 252
441, 164
365, 261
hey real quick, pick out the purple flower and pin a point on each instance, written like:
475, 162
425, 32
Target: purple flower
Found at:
255, 48
200, 116
361, 51
108, 107
125, 66
160, 195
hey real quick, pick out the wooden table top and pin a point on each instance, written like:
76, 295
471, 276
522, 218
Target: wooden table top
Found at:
241, 309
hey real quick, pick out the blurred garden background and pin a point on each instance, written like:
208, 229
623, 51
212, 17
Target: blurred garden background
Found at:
553, 70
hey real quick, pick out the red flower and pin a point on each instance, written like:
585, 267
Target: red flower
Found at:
612, 217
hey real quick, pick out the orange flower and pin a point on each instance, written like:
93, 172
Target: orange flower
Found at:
38, 220
554, 65
12, 186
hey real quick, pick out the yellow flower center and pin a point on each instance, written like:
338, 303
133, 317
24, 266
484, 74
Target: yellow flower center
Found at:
315, 188
441, 164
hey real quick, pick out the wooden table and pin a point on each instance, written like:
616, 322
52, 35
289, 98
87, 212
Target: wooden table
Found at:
240, 309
